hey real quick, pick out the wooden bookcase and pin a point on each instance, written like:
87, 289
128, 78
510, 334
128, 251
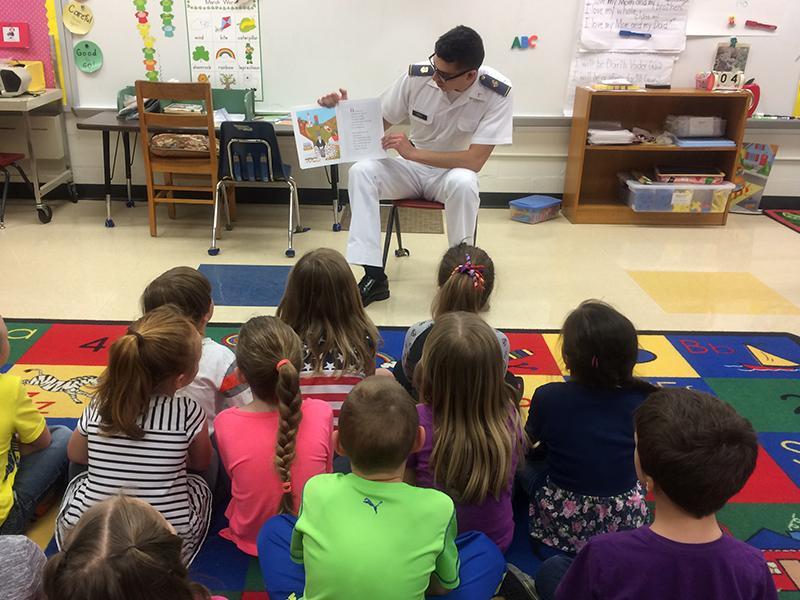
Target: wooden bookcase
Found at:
591, 187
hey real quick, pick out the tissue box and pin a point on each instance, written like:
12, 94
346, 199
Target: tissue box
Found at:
534, 209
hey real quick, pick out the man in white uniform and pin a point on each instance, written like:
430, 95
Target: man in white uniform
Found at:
459, 111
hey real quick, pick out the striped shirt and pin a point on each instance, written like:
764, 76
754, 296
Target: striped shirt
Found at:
152, 468
331, 383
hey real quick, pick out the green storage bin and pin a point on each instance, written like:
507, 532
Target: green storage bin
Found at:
234, 101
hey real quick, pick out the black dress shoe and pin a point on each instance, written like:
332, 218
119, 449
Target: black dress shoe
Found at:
373, 289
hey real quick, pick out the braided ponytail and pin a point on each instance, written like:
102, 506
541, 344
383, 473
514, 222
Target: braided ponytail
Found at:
269, 355
287, 392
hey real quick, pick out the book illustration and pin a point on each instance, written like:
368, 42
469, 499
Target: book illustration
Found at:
320, 133
349, 132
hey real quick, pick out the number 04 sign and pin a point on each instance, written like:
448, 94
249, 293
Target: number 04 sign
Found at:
727, 80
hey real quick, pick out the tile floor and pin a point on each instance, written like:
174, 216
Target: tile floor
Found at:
741, 277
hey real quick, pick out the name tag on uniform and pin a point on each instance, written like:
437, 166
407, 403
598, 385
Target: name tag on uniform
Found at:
419, 115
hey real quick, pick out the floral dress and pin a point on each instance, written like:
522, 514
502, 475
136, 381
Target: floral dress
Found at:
565, 520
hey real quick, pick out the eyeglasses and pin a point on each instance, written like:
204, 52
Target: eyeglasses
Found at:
441, 74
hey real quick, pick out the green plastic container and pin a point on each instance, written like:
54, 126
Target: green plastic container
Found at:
242, 102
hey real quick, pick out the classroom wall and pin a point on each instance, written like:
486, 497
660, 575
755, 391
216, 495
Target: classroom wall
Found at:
535, 163
32, 12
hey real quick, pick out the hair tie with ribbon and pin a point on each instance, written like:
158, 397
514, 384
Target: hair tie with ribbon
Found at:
281, 362
287, 486
474, 272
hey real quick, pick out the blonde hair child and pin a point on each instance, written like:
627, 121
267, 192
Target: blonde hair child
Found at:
469, 412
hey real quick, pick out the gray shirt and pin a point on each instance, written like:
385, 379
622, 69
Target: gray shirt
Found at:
21, 564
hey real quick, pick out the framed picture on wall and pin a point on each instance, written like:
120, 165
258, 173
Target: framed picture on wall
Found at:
14, 35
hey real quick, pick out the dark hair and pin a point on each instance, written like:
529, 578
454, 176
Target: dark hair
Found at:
697, 449
263, 343
187, 288
121, 549
378, 424
600, 347
458, 290
462, 46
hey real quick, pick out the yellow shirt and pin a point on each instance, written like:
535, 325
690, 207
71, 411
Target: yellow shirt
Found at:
18, 416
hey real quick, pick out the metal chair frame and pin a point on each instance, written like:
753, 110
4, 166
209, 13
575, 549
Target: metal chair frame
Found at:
393, 226
294, 202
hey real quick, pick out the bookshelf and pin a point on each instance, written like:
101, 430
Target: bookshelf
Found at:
591, 187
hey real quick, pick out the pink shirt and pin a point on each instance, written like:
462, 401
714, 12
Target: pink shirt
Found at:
246, 444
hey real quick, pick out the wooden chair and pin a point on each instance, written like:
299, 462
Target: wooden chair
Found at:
393, 224
164, 193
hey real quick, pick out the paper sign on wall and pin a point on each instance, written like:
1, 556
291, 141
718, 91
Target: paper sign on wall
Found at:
225, 43
634, 25
591, 67
88, 56
78, 18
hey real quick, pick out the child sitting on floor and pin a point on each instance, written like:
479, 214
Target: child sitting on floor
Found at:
473, 432
216, 386
466, 280
273, 445
323, 305
121, 549
139, 436
367, 534
694, 452
33, 458
587, 484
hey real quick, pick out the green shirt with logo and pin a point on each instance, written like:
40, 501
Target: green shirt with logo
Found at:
369, 539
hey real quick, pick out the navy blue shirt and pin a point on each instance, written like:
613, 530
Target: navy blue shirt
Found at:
588, 433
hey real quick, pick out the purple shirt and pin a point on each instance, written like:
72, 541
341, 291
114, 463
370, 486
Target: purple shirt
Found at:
492, 517
643, 564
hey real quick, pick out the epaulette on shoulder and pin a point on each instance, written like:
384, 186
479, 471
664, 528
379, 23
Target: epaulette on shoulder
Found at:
495, 85
420, 70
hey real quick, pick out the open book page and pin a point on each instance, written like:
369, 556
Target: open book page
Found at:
349, 132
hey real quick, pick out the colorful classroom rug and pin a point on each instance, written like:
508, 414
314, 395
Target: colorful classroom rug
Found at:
790, 218
758, 373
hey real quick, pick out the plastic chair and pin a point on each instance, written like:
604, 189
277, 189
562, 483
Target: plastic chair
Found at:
393, 224
249, 157
12, 160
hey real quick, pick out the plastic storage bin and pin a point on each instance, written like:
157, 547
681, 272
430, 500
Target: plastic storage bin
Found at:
675, 197
534, 209
690, 126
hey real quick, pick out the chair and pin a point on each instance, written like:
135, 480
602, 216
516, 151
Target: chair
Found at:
393, 224
12, 160
202, 164
250, 157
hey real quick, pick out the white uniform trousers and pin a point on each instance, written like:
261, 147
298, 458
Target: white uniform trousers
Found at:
370, 181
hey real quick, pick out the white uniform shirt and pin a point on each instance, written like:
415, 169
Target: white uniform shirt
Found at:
478, 116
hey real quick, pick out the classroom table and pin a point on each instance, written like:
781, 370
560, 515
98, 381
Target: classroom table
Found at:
107, 121
23, 106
